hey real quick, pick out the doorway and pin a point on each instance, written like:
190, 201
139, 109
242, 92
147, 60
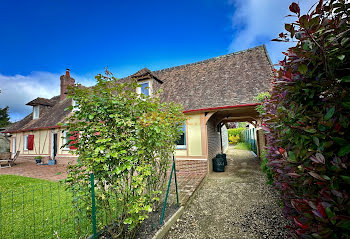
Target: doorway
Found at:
54, 145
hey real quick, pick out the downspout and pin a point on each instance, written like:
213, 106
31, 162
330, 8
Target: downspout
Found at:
221, 140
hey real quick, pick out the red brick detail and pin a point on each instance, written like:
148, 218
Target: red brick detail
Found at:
66, 80
66, 160
191, 166
45, 159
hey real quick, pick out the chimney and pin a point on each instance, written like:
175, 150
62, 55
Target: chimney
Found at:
66, 80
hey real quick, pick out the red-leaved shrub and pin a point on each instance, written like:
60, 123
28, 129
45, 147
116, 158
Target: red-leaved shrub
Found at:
307, 122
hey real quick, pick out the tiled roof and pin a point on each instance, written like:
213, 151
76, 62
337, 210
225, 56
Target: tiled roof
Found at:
49, 117
40, 101
233, 79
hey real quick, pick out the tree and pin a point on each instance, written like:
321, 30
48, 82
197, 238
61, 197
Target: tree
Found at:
127, 141
307, 122
4, 117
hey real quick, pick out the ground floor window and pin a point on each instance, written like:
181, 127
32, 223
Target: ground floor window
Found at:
181, 143
65, 140
25, 142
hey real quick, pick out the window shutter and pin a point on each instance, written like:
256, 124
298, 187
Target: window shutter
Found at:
30, 142
74, 136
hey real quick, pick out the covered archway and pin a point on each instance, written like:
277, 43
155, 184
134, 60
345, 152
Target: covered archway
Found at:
215, 119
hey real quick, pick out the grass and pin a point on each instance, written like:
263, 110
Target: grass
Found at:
243, 145
35, 208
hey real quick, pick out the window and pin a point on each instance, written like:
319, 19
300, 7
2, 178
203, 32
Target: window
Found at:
75, 106
26, 142
36, 112
145, 88
29, 142
65, 140
181, 143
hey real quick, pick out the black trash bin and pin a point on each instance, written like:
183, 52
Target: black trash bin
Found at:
222, 156
218, 164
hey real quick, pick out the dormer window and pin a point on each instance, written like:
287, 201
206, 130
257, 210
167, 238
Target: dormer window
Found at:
36, 112
75, 106
145, 88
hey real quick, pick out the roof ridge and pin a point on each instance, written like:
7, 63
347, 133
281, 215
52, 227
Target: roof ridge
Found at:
210, 59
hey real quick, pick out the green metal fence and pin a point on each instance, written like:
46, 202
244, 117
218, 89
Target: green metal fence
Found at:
42, 211
49, 210
250, 138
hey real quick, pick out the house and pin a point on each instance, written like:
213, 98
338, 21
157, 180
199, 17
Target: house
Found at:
212, 92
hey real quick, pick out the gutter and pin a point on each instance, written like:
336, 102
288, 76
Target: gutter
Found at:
221, 108
186, 111
31, 129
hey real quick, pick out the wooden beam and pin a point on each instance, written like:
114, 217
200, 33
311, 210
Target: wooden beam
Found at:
207, 116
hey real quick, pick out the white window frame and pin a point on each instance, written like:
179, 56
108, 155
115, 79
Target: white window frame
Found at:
185, 139
36, 112
64, 141
74, 104
14, 148
138, 89
25, 142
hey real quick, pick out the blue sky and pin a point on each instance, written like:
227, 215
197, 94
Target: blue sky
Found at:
40, 39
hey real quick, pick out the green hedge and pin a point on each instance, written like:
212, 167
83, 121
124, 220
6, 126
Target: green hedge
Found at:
236, 131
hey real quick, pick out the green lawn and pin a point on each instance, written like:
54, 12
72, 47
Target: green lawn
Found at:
35, 208
242, 145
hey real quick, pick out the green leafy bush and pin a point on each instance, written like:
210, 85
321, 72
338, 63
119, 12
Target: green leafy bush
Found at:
236, 132
127, 141
307, 122
233, 139
265, 168
262, 97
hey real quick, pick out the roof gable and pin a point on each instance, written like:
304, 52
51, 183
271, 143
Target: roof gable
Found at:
145, 73
40, 101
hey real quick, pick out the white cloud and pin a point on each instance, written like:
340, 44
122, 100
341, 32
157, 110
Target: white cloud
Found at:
17, 90
258, 21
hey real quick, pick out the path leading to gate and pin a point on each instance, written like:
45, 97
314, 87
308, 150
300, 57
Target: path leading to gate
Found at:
235, 204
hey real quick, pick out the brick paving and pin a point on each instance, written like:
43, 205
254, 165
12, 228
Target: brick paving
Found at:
28, 168
187, 184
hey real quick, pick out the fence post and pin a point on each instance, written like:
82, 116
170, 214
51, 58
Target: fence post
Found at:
166, 195
93, 206
177, 194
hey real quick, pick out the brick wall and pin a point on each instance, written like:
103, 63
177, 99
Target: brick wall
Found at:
45, 159
66, 160
214, 143
191, 166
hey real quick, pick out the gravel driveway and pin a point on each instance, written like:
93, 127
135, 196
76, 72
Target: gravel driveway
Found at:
234, 204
